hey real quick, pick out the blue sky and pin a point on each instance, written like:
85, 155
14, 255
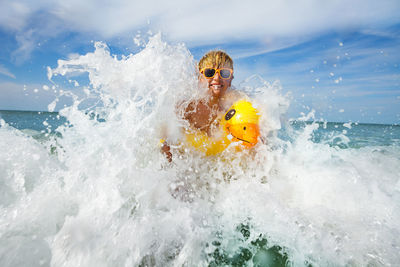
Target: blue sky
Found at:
340, 58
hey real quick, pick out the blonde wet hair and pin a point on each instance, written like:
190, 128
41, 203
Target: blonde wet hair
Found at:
217, 59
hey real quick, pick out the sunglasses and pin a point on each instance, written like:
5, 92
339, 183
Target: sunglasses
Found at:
224, 73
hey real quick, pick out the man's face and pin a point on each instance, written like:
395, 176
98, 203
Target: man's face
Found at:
216, 85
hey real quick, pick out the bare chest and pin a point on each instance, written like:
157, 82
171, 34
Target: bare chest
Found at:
203, 118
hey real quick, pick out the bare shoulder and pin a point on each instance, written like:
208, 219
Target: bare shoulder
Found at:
185, 109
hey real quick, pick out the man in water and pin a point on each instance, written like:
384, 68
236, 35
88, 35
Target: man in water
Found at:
216, 74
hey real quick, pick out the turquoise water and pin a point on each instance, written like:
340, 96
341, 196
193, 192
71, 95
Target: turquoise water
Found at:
34, 123
354, 135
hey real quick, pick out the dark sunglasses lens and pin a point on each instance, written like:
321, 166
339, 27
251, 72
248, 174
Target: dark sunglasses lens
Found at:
225, 74
209, 73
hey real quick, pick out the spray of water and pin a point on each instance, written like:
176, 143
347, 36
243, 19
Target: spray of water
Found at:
102, 194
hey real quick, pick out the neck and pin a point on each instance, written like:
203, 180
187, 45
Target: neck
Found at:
215, 103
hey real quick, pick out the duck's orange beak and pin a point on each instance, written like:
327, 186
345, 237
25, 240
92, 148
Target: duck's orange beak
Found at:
248, 133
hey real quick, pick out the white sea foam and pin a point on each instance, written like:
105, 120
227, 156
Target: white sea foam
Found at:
106, 196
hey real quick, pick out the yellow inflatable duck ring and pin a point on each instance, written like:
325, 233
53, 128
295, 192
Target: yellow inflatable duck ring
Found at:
239, 124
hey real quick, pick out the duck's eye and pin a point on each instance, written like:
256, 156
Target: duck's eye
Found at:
230, 114
244, 128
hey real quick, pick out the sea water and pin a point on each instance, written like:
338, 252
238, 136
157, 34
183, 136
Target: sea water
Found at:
88, 186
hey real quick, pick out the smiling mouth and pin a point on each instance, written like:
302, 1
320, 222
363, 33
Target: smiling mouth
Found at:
216, 87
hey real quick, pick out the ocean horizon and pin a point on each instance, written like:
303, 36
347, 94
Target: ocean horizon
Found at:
290, 120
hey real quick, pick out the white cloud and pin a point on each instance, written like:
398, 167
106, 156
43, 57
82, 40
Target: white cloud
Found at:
26, 44
5, 71
195, 23
14, 14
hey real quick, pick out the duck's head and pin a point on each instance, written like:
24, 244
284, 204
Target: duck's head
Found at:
241, 123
